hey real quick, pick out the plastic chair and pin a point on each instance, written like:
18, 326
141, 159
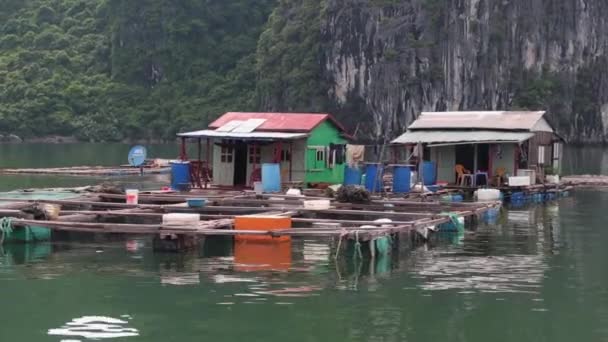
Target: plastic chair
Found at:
463, 175
483, 174
499, 176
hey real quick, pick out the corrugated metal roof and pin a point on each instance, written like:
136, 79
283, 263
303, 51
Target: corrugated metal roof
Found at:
499, 120
429, 137
243, 136
279, 122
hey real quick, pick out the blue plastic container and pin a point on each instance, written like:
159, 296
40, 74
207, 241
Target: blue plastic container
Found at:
402, 175
196, 202
271, 177
373, 177
433, 188
180, 174
352, 176
429, 172
457, 198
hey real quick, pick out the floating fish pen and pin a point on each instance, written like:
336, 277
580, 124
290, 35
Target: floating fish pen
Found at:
123, 170
180, 221
586, 181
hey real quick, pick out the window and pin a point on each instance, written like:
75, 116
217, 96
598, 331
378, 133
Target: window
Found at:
255, 155
315, 159
285, 155
227, 154
320, 155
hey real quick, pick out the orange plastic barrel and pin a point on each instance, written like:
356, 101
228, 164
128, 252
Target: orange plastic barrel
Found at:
262, 223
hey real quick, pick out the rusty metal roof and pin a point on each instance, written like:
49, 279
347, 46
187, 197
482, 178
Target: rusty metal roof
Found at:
492, 120
279, 122
455, 137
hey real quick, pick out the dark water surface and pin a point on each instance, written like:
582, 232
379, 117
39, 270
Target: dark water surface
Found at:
538, 274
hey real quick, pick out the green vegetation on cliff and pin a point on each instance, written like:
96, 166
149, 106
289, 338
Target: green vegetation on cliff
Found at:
115, 69
145, 69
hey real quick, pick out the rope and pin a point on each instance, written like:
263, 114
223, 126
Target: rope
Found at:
342, 235
383, 244
455, 221
6, 228
357, 246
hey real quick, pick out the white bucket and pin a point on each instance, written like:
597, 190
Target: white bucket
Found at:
132, 196
258, 188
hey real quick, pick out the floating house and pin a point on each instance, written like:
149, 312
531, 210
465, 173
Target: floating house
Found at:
489, 143
309, 148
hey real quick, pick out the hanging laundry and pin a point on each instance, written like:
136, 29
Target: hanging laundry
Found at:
355, 154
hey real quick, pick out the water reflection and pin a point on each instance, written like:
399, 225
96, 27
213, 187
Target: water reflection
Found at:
507, 255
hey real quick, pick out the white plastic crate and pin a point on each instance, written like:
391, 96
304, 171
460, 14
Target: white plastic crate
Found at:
519, 181
528, 173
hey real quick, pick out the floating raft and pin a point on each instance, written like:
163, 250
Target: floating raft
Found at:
586, 180
88, 171
107, 213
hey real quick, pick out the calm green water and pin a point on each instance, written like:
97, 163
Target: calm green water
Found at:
60, 155
538, 274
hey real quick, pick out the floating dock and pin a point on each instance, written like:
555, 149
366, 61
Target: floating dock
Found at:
108, 213
88, 171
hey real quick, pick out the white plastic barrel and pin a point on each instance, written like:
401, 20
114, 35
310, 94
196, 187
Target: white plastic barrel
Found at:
132, 196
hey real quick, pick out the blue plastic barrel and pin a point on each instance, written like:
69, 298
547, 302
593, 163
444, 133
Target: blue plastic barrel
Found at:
352, 176
271, 177
429, 172
401, 179
457, 198
373, 177
180, 174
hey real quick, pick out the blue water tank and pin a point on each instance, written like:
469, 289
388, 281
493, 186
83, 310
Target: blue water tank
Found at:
373, 177
271, 177
180, 175
429, 172
352, 176
457, 198
401, 179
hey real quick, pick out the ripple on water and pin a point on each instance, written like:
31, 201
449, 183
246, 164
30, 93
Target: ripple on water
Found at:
95, 328
509, 273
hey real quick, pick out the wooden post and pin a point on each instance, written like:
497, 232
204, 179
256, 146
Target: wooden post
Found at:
491, 153
207, 173
290, 160
420, 166
200, 151
183, 155
475, 162
253, 157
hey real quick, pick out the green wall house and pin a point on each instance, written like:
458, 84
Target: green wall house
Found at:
310, 147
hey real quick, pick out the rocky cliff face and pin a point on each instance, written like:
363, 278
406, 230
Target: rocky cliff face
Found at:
393, 59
